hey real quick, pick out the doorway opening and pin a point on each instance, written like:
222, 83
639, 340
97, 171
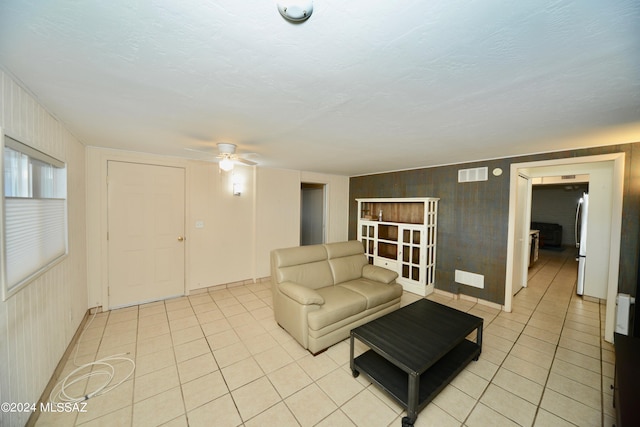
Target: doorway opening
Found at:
606, 177
559, 219
312, 213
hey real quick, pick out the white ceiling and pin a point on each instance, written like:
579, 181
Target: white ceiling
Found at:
361, 87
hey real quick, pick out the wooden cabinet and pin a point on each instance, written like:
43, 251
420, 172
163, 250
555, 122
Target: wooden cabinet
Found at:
627, 380
400, 234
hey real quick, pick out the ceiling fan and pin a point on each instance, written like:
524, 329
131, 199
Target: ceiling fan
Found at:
228, 157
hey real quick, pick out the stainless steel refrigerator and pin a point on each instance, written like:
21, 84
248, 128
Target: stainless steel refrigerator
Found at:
581, 239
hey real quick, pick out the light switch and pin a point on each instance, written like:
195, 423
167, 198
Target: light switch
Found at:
199, 224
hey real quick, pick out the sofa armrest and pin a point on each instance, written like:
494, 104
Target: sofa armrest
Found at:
300, 294
379, 274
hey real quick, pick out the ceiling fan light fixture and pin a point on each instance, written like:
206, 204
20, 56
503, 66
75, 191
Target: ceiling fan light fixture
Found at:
226, 164
295, 10
226, 148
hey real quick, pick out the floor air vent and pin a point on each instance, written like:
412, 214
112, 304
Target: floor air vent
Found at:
473, 175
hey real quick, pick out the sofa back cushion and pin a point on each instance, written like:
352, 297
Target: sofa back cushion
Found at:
305, 265
346, 260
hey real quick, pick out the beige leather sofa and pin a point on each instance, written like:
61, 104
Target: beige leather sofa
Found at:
321, 292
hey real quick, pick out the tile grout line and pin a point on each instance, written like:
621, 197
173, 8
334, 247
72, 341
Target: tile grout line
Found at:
540, 300
511, 349
217, 364
555, 352
505, 358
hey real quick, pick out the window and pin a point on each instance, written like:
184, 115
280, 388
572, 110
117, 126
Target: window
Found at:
34, 212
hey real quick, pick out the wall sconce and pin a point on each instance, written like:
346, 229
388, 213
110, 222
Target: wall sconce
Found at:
236, 182
237, 189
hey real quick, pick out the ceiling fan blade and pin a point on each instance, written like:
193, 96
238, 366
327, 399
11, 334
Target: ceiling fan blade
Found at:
245, 161
204, 155
222, 154
205, 152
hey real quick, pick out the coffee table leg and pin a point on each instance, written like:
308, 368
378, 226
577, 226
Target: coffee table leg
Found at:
351, 363
479, 340
412, 404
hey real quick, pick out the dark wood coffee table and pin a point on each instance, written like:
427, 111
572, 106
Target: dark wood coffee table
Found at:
416, 351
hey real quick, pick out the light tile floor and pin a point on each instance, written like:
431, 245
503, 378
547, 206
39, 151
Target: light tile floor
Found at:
219, 359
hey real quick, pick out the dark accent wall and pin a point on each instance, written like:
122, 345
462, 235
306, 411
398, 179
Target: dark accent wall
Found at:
473, 217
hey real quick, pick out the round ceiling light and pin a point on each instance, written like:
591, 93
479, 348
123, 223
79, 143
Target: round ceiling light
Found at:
295, 10
226, 164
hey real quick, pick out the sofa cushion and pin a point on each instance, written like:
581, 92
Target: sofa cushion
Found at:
379, 274
339, 303
375, 293
340, 249
306, 265
346, 260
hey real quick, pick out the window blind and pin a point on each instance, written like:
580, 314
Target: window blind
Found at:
35, 236
35, 214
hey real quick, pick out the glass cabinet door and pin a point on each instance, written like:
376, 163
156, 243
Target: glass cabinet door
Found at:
411, 256
367, 235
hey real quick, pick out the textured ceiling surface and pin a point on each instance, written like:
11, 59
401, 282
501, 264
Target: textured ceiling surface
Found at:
361, 87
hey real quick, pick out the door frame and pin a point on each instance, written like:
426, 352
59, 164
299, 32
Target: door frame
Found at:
97, 222
618, 160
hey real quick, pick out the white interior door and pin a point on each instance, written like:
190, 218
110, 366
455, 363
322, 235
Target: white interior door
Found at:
146, 215
521, 235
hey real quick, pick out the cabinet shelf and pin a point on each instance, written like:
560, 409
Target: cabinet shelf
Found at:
405, 211
395, 381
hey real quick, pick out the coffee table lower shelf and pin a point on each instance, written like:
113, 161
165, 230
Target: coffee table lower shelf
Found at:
395, 381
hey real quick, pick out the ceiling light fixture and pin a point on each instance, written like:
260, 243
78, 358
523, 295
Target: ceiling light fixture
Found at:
228, 157
295, 10
226, 164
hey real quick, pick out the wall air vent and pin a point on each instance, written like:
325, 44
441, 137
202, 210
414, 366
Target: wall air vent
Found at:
568, 177
473, 175
470, 279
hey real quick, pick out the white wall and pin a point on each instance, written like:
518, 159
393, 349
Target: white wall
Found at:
38, 323
239, 231
222, 251
277, 214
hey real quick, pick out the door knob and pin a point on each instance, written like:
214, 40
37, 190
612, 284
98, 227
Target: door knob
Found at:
180, 238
